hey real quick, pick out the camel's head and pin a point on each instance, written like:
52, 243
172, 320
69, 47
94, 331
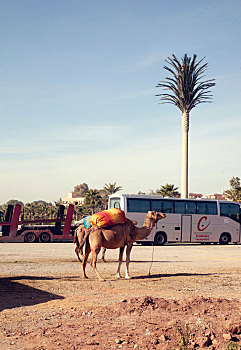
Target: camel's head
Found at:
154, 216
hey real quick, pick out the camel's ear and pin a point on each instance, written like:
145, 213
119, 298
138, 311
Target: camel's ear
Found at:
134, 222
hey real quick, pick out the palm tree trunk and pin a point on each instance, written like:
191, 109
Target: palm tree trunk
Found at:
185, 129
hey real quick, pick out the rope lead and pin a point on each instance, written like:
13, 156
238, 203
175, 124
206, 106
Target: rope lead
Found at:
151, 259
152, 255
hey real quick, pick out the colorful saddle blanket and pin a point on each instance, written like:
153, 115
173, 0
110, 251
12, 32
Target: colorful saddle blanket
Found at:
86, 221
108, 217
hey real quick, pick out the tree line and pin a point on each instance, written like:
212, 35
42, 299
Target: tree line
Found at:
97, 200
234, 193
94, 201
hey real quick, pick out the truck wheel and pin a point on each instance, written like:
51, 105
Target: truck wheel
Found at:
45, 237
160, 238
225, 238
29, 237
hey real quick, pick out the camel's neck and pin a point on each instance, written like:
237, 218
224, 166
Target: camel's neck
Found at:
143, 232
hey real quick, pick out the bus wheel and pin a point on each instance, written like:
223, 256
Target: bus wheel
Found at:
29, 237
45, 237
225, 238
160, 238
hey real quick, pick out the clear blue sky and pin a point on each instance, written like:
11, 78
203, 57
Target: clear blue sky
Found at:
77, 95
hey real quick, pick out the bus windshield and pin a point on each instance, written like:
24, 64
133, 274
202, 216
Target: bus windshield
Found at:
114, 203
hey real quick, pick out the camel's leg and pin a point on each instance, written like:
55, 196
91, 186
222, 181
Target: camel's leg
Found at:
87, 252
95, 253
128, 253
120, 262
77, 251
81, 251
103, 254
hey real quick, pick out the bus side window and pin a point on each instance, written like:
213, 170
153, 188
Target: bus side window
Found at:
185, 207
201, 208
212, 208
235, 212
208, 208
180, 207
230, 210
156, 205
167, 206
138, 205
224, 209
191, 208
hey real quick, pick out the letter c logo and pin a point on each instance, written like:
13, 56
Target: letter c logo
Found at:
199, 223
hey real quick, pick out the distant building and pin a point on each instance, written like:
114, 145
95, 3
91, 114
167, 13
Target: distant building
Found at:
215, 196
208, 196
72, 198
195, 195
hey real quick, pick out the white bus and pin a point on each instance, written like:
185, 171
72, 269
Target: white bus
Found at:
187, 220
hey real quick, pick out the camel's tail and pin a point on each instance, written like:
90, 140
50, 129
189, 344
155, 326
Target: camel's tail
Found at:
86, 235
76, 241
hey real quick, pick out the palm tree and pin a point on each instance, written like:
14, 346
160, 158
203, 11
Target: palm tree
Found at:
108, 190
168, 191
92, 200
30, 211
80, 211
2, 214
234, 194
27, 211
50, 211
112, 188
186, 91
235, 183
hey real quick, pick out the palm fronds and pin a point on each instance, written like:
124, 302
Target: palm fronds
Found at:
185, 87
168, 190
112, 188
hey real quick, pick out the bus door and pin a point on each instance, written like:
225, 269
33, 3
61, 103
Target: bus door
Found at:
186, 228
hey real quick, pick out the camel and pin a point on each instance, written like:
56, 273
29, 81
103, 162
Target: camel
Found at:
117, 236
80, 235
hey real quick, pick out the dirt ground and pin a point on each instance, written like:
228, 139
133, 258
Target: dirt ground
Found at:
176, 292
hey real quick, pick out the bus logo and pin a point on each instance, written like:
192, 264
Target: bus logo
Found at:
204, 218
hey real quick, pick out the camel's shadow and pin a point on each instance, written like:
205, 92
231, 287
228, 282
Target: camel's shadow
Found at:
164, 275
14, 294
111, 261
